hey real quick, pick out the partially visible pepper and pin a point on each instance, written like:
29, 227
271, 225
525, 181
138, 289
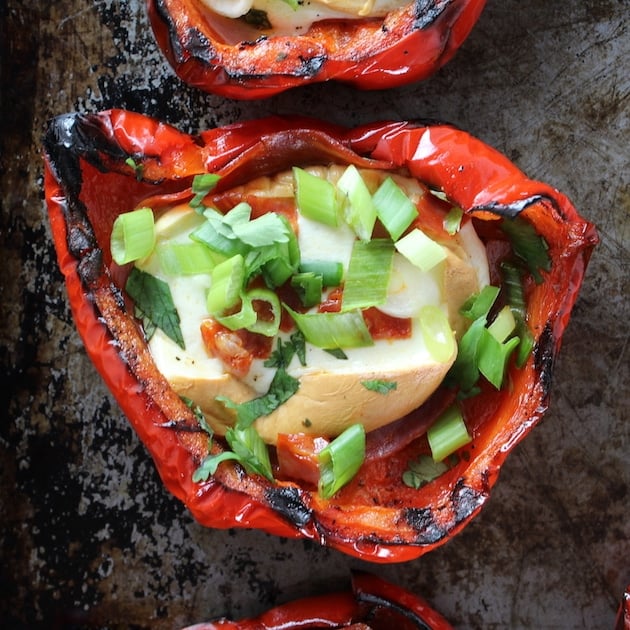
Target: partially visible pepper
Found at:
409, 44
370, 604
89, 181
622, 620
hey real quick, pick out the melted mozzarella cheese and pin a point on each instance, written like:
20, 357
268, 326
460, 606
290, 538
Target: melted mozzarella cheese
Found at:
286, 20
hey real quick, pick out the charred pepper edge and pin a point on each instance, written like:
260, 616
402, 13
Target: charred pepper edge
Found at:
250, 504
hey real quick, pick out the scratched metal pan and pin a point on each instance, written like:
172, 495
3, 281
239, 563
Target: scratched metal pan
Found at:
89, 536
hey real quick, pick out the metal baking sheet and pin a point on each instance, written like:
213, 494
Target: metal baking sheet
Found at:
89, 537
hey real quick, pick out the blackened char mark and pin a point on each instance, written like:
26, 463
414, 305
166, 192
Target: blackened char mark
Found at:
466, 500
377, 606
288, 503
198, 46
512, 210
74, 137
427, 11
425, 525
544, 354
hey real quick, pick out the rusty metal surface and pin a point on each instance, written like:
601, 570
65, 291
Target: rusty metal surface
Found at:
90, 539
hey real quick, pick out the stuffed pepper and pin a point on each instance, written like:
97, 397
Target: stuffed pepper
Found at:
321, 332
371, 603
250, 49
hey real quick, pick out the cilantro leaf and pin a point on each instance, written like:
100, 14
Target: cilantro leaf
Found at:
250, 450
379, 386
153, 297
423, 470
199, 415
210, 464
282, 387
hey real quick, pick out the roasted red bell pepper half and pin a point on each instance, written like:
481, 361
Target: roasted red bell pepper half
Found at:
101, 165
230, 57
370, 604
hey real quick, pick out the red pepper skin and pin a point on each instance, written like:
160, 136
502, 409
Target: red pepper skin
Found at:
622, 620
408, 45
376, 517
371, 599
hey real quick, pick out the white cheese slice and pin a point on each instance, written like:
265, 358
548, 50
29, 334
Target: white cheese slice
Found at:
332, 394
285, 20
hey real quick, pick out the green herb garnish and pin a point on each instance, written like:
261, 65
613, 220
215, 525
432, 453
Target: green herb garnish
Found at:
340, 460
528, 245
201, 186
248, 449
380, 386
138, 168
153, 298
453, 220
423, 470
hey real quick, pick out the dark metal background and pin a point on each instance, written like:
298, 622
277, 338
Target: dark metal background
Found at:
90, 539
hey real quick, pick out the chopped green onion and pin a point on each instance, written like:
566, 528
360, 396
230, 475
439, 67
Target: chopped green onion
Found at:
239, 215
186, 259
493, 356
503, 325
447, 434
267, 229
437, 333
395, 210
270, 324
137, 167
286, 259
245, 317
227, 283
201, 186
293, 4
368, 274
421, 250
217, 234
479, 305
465, 371
333, 330
308, 286
528, 245
133, 236
315, 197
330, 271
513, 283
453, 220
340, 460
358, 207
